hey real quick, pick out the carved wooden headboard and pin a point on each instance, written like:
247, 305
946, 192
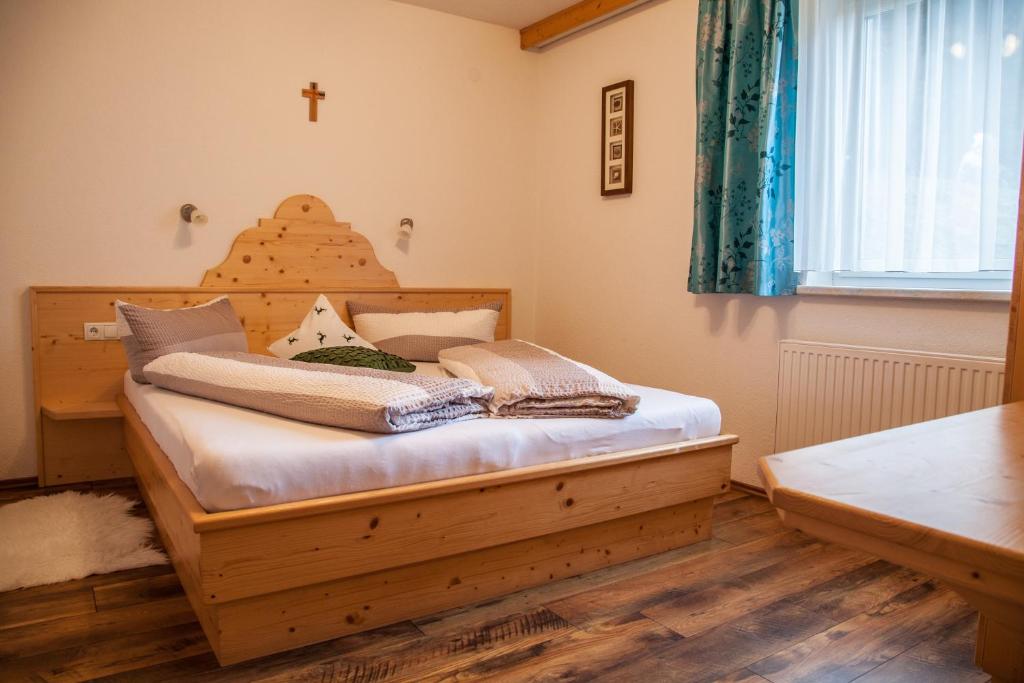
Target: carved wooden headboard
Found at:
301, 246
273, 273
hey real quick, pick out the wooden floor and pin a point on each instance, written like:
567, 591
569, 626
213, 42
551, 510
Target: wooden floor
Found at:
756, 603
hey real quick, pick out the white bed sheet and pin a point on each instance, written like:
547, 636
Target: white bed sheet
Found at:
233, 458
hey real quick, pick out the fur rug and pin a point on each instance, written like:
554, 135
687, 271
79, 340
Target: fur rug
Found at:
49, 539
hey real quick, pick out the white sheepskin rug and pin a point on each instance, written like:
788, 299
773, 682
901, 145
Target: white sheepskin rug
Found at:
49, 539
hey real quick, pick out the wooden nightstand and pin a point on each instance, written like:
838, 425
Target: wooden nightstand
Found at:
81, 442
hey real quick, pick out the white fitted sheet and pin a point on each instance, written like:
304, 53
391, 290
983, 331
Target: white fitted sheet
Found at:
233, 458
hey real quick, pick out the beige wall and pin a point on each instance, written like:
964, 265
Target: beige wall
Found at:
612, 272
116, 112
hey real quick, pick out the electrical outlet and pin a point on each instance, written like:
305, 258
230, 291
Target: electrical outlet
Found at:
99, 331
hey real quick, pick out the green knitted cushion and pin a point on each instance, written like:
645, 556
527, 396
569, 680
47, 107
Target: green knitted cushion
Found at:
356, 356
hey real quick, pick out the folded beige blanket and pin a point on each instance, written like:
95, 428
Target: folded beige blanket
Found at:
354, 398
531, 381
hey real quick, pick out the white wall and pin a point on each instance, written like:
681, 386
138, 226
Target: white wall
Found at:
612, 272
116, 112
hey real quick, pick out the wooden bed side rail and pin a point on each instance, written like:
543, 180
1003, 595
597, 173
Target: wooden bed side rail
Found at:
203, 521
244, 561
159, 472
371, 499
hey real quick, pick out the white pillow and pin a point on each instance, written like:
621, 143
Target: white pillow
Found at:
421, 334
322, 327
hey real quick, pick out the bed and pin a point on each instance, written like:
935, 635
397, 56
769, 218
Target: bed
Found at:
232, 458
276, 550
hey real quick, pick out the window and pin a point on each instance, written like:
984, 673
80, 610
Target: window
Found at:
910, 120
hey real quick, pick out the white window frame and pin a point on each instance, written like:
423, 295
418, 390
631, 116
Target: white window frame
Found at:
984, 281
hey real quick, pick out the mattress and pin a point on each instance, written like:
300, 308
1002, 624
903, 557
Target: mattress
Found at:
233, 458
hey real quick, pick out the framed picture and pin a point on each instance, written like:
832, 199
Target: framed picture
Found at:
617, 139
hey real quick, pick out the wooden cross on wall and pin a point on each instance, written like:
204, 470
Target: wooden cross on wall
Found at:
313, 94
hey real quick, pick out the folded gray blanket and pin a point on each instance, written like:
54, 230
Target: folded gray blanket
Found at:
354, 398
531, 381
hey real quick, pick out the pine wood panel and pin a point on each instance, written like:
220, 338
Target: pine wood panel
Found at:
572, 18
82, 411
139, 633
301, 246
240, 562
444, 487
97, 367
83, 450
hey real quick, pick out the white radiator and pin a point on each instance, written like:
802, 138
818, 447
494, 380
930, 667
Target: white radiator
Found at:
832, 391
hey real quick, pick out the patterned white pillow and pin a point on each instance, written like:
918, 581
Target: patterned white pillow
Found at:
322, 327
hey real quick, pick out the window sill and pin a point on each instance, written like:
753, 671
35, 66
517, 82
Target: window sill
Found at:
894, 293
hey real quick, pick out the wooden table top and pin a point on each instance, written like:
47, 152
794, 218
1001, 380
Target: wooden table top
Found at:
952, 487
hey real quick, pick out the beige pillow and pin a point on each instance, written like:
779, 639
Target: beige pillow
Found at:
148, 333
420, 334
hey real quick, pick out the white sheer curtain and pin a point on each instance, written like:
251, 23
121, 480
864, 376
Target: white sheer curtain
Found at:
910, 119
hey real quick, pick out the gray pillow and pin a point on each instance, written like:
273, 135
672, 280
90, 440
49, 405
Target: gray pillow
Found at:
148, 333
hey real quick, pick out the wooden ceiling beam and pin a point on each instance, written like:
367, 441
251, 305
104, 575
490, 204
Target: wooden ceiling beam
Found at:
571, 19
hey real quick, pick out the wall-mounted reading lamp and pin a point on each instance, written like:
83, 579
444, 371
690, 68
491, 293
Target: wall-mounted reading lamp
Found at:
405, 228
190, 213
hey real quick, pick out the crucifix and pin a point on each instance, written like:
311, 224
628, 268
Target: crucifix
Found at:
313, 94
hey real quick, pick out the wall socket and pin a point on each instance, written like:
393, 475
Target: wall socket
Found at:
99, 331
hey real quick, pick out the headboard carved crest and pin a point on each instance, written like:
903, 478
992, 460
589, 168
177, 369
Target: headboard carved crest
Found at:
300, 245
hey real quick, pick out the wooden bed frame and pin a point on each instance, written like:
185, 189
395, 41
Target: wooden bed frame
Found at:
273, 578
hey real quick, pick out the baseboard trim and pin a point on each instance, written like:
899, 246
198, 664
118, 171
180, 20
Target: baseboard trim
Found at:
33, 483
19, 483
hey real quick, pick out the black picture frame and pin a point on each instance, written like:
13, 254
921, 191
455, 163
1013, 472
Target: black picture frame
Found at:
617, 139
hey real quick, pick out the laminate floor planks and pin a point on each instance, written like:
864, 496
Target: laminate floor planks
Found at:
754, 604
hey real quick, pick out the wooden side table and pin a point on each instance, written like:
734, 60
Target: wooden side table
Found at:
944, 497
81, 442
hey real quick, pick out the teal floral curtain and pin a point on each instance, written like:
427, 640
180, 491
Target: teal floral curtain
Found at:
746, 127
